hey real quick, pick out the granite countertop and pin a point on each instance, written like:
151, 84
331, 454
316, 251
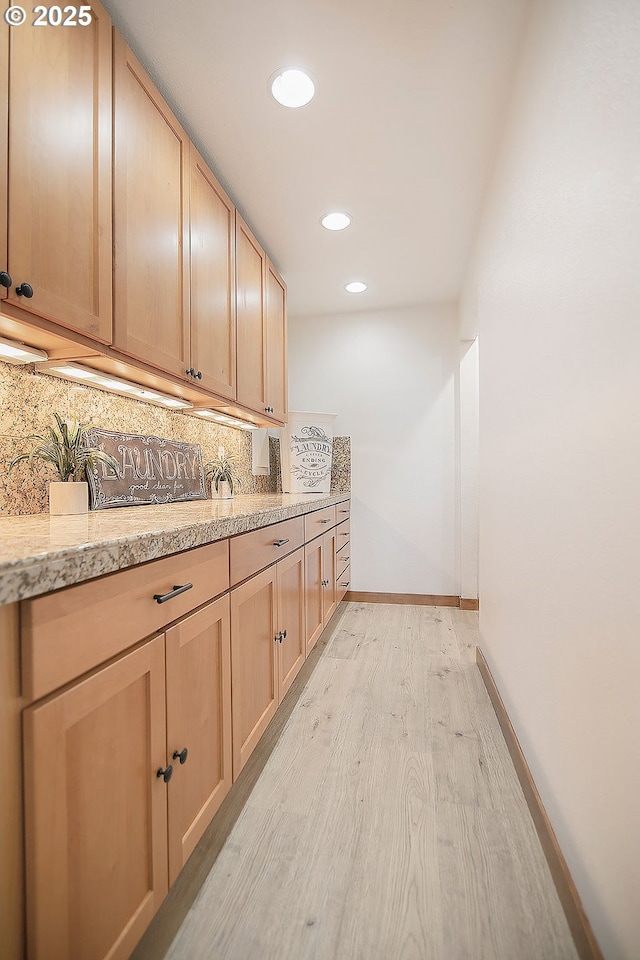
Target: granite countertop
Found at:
42, 553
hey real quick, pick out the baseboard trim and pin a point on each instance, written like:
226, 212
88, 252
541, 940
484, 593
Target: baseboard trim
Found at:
469, 604
581, 931
422, 599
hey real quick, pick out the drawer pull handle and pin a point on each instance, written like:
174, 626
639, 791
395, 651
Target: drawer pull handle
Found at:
181, 755
166, 773
325, 521
280, 543
344, 511
345, 534
345, 585
163, 597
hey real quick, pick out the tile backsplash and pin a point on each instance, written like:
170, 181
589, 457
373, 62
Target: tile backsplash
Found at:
28, 399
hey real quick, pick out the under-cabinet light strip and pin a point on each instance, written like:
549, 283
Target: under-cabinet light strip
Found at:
11, 351
104, 381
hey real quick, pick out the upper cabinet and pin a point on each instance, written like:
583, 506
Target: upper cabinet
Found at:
213, 301
151, 221
276, 342
118, 231
261, 304
251, 304
56, 84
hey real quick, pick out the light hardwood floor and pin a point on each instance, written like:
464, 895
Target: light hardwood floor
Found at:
387, 823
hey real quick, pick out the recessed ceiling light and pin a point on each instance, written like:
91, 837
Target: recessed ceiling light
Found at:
292, 88
356, 286
336, 221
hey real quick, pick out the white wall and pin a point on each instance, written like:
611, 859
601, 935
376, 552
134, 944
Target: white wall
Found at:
468, 468
390, 377
555, 294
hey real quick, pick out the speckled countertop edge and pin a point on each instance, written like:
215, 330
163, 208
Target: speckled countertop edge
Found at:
41, 553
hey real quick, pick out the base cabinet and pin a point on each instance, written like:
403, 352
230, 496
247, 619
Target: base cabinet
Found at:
126, 764
95, 811
121, 783
267, 648
198, 726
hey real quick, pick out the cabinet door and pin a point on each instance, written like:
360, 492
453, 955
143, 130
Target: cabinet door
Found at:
329, 574
250, 306
96, 813
59, 235
313, 592
4, 146
276, 341
254, 662
213, 317
150, 221
198, 720
291, 619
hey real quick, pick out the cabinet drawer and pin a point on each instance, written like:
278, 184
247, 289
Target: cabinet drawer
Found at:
342, 583
342, 562
343, 510
318, 522
254, 551
343, 534
68, 632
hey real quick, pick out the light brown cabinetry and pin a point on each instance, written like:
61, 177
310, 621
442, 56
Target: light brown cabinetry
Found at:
267, 648
212, 277
120, 785
150, 220
96, 813
198, 725
320, 585
57, 104
276, 345
261, 325
254, 662
250, 306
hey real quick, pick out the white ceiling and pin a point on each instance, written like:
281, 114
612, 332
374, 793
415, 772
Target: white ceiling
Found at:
409, 99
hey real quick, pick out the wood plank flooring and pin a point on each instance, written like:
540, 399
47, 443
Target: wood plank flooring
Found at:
387, 822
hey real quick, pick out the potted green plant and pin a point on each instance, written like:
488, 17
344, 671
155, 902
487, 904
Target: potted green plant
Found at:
64, 447
221, 475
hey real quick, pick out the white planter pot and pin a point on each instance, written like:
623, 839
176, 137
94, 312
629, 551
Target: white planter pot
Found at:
224, 491
68, 499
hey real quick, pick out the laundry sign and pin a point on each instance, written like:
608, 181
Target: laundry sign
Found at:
307, 450
150, 470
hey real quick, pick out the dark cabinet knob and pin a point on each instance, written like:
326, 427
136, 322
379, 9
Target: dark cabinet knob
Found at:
190, 372
278, 638
199, 375
181, 755
325, 583
166, 773
268, 409
25, 290
5, 279
284, 634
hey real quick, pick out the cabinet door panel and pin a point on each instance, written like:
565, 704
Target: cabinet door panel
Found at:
313, 592
250, 306
96, 813
198, 718
4, 146
213, 320
253, 662
60, 172
291, 617
150, 218
276, 342
329, 574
